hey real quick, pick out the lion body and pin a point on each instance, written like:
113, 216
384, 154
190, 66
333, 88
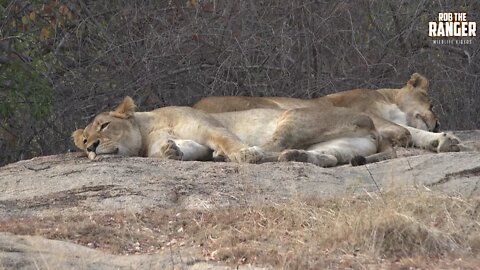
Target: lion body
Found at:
244, 136
403, 116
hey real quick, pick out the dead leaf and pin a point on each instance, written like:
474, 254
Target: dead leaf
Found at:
63, 9
44, 33
32, 16
25, 20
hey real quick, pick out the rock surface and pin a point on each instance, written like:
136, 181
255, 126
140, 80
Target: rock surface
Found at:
70, 184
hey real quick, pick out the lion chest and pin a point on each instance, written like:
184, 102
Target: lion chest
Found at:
393, 113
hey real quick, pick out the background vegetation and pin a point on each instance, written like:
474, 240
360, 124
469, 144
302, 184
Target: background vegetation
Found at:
63, 61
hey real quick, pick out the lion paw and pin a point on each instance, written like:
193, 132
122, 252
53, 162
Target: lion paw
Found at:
358, 160
293, 155
218, 156
170, 150
319, 159
248, 155
447, 142
325, 160
403, 138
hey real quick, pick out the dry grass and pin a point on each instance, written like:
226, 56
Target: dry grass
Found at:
418, 229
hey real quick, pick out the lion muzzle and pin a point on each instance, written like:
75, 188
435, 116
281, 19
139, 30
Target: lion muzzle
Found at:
91, 155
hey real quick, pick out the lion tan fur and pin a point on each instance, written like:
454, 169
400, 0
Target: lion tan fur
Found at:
403, 116
253, 136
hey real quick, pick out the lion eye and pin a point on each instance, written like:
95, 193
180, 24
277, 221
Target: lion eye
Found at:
104, 125
84, 141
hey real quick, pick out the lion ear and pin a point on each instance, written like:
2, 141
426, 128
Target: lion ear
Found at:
418, 81
77, 137
125, 109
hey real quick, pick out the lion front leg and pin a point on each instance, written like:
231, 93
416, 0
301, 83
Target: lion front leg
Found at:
398, 135
178, 149
227, 145
435, 142
166, 149
253, 154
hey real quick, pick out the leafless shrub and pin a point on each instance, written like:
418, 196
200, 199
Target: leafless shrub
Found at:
175, 52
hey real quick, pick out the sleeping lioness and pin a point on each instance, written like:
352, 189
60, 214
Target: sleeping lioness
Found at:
322, 137
403, 115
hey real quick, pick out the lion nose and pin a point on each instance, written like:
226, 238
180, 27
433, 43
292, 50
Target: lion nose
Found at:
93, 146
437, 127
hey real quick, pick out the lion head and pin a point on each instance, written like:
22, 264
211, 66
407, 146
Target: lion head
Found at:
112, 132
413, 100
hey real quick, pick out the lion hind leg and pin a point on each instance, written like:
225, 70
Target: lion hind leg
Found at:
349, 149
191, 150
385, 151
314, 157
361, 160
258, 156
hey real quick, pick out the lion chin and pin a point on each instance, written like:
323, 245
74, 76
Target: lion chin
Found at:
91, 155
